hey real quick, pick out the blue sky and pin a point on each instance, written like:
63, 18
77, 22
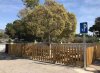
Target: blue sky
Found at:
85, 10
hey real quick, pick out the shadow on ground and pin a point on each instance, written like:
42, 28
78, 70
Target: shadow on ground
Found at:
95, 67
96, 64
4, 56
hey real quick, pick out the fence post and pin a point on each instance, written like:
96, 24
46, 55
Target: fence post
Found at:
85, 54
6, 48
50, 50
9, 47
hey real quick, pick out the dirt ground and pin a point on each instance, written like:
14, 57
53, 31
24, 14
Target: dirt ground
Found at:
14, 65
96, 65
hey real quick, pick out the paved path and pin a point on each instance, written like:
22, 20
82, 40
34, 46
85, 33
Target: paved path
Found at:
11, 65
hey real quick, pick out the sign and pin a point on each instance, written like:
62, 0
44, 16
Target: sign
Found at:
83, 27
83, 30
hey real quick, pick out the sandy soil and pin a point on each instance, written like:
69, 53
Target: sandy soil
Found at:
11, 65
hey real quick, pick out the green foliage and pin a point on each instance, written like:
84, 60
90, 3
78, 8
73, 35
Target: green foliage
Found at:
51, 20
96, 27
18, 30
31, 3
15, 29
1, 35
70, 28
46, 22
79, 38
10, 30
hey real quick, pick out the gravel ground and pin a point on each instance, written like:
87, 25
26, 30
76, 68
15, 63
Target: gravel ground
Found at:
11, 65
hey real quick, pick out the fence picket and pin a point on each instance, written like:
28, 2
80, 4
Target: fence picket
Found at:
69, 54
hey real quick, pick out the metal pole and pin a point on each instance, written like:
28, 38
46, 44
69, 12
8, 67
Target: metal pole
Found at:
84, 43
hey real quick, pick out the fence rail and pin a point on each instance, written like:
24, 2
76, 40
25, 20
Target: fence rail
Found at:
67, 54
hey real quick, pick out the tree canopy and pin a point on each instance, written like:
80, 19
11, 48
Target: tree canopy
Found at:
96, 27
30, 3
10, 30
49, 21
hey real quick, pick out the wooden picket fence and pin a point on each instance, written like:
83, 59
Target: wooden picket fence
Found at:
67, 54
97, 51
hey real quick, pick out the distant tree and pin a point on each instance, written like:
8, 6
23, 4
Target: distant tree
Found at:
18, 26
9, 30
96, 27
79, 38
18, 30
1, 34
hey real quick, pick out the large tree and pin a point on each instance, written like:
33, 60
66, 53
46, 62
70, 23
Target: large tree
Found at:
96, 27
18, 30
51, 20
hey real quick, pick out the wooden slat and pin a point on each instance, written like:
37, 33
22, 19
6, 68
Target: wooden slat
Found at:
70, 54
